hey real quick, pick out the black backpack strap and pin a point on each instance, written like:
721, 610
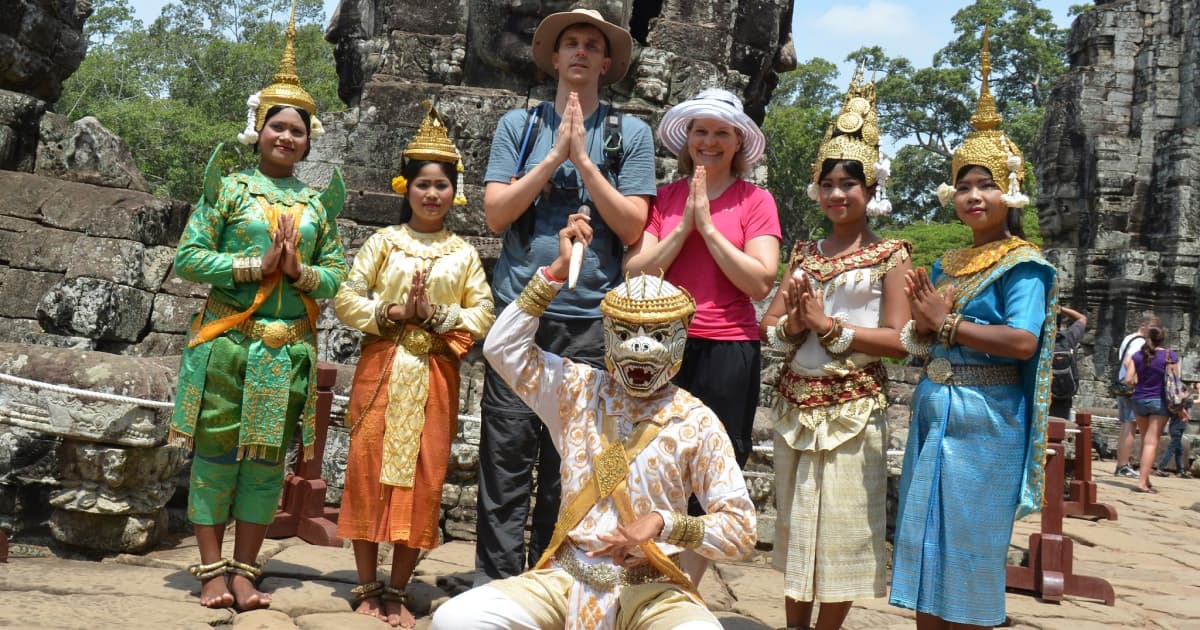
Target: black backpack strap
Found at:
523, 226
614, 146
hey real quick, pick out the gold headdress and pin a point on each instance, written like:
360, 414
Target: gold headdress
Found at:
987, 146
854, 135
648, 300
284, 90
433, 143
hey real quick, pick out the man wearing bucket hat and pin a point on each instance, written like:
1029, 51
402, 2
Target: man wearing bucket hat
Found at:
545, 164
716, 235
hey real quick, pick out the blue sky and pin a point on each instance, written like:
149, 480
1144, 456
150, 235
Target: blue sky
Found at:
903, 28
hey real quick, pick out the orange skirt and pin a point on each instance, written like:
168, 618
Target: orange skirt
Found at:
382, 513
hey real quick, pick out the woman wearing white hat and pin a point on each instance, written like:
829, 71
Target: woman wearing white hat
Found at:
716, 235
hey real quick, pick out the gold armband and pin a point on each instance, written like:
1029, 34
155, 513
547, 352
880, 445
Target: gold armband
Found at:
686, 531
537, 295
247, 269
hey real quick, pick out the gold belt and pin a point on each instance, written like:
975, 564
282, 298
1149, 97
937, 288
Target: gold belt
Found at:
274, 334
942, 371
605, 576
421, 342
806, 392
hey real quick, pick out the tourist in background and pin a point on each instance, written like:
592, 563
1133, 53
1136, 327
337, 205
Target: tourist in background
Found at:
838, 310
1147, 371
717, 236
1064, 371
268, 246
1178, 425
1124, 394
419, 294
974, 460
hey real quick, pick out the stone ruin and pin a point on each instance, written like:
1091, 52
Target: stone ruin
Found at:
86, 252
1117, 170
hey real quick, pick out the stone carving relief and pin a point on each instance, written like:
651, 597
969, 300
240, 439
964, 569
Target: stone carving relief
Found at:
67, 416
653, 82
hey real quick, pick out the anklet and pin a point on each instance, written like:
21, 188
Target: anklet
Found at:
204, 572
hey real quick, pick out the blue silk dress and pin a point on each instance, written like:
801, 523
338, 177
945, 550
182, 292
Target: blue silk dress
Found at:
974, 455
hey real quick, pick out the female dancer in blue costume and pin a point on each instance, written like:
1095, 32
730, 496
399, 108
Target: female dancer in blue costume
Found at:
984, 321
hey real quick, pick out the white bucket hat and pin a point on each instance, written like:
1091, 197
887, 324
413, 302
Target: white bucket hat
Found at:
620, 43
715, 103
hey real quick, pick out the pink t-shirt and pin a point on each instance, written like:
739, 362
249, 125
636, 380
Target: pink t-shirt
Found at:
741, 213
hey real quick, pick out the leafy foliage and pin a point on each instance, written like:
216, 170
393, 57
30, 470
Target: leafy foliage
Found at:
175, 89
925, 112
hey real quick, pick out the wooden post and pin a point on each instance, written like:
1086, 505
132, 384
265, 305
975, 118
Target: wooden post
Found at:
3, 547
1082, 500
1050, 572
302, 509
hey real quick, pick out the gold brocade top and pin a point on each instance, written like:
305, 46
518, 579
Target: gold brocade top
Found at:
853, 289
382, 273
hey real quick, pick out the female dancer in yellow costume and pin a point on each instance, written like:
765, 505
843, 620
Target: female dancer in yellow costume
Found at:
419, 293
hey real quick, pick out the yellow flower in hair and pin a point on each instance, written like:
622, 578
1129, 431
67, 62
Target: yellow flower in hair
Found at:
400, 185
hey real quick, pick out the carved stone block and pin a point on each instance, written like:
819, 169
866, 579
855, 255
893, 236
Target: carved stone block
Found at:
85, 151
133, 533
173, 314
21, 291
95, 308
116, 480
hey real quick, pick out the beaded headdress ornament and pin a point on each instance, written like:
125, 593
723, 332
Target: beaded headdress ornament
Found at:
645, 330
433, 143
987, 146
854, 135
284, 90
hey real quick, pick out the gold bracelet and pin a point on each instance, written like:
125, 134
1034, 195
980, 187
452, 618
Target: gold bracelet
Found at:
387, 326
308, 281
952, 339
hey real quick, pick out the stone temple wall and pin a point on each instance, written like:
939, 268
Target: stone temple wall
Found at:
1117, 173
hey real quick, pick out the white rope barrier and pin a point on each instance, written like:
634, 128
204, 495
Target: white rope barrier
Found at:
85, 393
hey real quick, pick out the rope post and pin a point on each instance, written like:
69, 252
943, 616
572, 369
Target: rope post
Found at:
1082, 502
1050, 573
302, 510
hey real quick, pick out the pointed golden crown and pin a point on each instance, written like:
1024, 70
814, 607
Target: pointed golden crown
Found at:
854, 134
987, 146
432, 141
285, 88
648, 300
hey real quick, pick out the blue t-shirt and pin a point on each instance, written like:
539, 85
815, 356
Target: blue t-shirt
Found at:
602, 260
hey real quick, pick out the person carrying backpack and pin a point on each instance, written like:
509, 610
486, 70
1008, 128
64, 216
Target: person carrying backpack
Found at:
1132, 343
546, 164
1064, 373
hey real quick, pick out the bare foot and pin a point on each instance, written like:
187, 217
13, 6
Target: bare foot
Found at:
214, 593
246, 595
397, 615
371, 607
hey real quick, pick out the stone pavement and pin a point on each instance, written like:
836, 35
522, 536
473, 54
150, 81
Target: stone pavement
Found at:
1151, 555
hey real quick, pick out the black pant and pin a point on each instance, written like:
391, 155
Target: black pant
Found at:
512, 443
1061, 408
724, 375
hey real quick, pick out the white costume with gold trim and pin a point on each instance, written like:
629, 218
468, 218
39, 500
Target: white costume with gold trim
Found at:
690, 455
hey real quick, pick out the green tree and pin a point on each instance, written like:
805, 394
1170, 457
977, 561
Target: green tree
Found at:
796, 119
175, 89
